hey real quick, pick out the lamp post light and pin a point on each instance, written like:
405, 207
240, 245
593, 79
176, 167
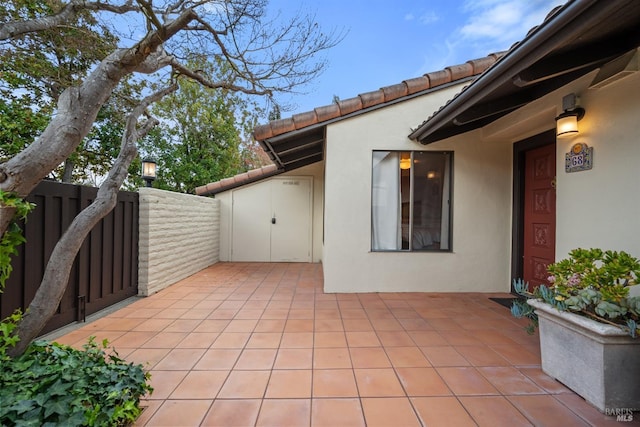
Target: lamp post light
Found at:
148, 171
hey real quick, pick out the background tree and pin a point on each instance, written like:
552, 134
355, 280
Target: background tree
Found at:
203, 132
40, 65
266, 56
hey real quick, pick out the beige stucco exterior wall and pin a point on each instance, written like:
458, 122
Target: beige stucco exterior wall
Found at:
225, 198
179, 236
601, 207
480, 260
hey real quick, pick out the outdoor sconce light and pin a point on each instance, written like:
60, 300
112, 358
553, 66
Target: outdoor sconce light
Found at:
567, 122
148, 171
405, 163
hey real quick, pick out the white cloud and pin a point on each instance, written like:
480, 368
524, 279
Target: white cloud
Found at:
429, 18
493, 25
409, 17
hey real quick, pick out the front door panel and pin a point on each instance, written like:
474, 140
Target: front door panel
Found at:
539, 214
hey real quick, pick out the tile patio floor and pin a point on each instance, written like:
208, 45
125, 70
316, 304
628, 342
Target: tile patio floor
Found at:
244, 344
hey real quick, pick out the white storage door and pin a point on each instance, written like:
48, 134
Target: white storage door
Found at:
291, 233
271, 221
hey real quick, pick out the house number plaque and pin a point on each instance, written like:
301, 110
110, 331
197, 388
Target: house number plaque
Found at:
579, 158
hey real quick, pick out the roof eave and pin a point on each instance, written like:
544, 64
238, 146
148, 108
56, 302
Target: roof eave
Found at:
562, 26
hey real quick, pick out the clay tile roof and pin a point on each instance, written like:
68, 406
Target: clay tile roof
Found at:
346, 107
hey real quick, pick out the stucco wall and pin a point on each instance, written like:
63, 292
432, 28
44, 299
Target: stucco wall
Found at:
316, 171
179, 236
601, 207
480, 260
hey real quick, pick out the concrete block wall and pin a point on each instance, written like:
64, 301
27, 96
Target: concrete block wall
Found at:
179, 235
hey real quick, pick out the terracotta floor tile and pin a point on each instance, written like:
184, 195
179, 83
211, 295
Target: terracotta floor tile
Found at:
357, 325
275, 313
200, 385
154, 324
297, 340
128, 339
331, 358
223, 314
289, 384
369, 357
427, 338
422, 382
182, 325
544, 381
299, 325
211, 325
249, 314
164, 340
148, 357
363, 339
481, 355
465, 381
172, 313
415, 324
327, 313
227, 413
461, 338
353, 313
256, 359
444, 356
545, 410
337, 412
407, 357
241, 325
270, 325
180, 413
264, 340
143, 313
180, 359
284, 412
493, 411
223, 359
377, 314
395, 339
441, 411
198, 340
149, 409
389, 412
294, 358
329, 339
378, 383
164, 382
328, 325
386, 325
334, 383
193, 313
508, 380
231, 340
592, 415
245, 385
492, 336
516, 354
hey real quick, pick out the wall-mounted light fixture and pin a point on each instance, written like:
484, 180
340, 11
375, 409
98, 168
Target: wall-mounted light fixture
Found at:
405, 163
148, 171
567, 122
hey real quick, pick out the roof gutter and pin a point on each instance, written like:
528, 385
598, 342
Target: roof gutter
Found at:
554, 31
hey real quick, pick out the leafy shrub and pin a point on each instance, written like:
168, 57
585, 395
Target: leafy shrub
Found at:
53, 384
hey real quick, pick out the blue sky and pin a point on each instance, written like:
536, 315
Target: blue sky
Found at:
388, 41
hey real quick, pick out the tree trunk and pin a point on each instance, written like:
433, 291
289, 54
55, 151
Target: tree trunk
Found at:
67, 173
56, 275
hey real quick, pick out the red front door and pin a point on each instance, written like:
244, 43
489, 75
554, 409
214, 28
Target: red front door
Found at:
539, 214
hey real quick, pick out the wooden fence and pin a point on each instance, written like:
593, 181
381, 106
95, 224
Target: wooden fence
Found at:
106, 268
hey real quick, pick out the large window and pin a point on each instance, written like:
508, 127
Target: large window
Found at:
411, 201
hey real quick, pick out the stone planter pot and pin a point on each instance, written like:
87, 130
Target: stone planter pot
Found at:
599, 362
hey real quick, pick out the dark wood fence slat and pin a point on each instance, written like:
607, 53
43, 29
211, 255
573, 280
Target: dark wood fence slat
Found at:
106, 268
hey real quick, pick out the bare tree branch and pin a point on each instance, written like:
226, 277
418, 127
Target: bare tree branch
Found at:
13, 29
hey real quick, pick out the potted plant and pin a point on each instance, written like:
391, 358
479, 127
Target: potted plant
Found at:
589, 326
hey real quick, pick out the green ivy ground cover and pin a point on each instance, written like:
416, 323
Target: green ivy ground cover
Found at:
53, 385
